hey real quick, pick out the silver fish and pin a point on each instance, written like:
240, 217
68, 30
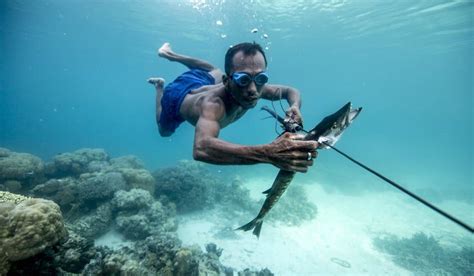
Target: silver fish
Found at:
327, 133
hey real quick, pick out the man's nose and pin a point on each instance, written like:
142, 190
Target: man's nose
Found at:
252, 88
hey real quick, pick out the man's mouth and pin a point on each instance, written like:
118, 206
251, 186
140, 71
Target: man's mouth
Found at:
252, 99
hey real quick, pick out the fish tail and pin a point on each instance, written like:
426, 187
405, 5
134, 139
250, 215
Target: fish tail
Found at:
258, 228
255, 224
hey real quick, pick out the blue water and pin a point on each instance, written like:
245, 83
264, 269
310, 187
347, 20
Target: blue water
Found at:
72, 75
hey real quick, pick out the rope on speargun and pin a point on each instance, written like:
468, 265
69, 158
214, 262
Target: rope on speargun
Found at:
413, 195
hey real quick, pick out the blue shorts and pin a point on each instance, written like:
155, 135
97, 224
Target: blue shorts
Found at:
174, 94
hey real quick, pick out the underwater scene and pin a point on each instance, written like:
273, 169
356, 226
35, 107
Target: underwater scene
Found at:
90, 185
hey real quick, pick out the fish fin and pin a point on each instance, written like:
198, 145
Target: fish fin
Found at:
248, 226
255, 224
267, 191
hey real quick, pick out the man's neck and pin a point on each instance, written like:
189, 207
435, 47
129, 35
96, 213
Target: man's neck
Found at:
231, 101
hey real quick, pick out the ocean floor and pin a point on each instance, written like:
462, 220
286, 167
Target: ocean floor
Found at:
338, 241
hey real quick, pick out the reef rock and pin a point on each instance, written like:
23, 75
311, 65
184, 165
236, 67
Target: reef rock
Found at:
27, 227
77, 162
136, 178
19, 169
94, 224
127, 161
139, 216
133, 200
189, 185
87, 191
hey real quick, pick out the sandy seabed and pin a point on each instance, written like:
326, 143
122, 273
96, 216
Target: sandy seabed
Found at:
337, 242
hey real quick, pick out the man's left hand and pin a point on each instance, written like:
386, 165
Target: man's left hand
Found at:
293, 114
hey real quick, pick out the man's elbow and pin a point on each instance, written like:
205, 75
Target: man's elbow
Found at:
199, 153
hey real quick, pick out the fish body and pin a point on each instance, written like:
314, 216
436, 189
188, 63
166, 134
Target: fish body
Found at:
328, 131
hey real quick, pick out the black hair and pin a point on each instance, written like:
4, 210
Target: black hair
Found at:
248, 49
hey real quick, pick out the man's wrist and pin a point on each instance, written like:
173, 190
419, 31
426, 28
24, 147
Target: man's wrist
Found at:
261, 153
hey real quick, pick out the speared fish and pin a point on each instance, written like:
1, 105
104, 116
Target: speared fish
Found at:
327, 133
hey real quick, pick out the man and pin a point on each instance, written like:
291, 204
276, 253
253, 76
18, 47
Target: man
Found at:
211, 100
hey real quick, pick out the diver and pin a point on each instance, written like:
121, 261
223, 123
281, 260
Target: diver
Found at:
211, 100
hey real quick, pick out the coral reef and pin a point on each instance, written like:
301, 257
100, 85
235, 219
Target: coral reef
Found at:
424, 255
136, 178
127, 161
76, 163
135, 199
7, 197
27, 227
85, 192
69, 257
95, 223
293, 207
189, 185
85, 179
98, 186
99, 197
248, 272
62, 191
18, 171
192, 188
143, 217
235, 198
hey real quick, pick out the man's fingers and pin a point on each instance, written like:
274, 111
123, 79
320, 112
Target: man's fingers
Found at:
307, 145
300, 165
297, 169
295, 136
305, 155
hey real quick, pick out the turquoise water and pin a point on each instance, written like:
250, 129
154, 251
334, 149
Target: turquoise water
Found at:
72, 75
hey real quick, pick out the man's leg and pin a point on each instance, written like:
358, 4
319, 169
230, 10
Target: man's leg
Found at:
159, 83
165, 51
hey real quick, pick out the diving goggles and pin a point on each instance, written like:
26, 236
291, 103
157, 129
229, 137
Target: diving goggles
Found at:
243, 79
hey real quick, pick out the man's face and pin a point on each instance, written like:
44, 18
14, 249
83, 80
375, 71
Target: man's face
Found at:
247, 96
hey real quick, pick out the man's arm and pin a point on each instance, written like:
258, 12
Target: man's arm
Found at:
285, 152
291, 95
276, 92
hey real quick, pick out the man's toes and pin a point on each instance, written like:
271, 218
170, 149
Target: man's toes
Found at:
156, 81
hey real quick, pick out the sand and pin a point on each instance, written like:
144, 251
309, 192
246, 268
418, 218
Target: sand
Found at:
337, 242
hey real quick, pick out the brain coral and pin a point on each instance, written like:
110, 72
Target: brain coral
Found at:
27, 227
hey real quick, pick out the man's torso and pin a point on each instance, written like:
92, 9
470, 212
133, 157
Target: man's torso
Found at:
194, 101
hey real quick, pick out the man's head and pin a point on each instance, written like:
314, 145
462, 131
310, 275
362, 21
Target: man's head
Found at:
245, 64
248, 49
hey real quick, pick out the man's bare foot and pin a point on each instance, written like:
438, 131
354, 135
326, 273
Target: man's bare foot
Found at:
165, 50
157, 82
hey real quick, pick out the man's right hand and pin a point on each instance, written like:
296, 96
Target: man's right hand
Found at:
289, 152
